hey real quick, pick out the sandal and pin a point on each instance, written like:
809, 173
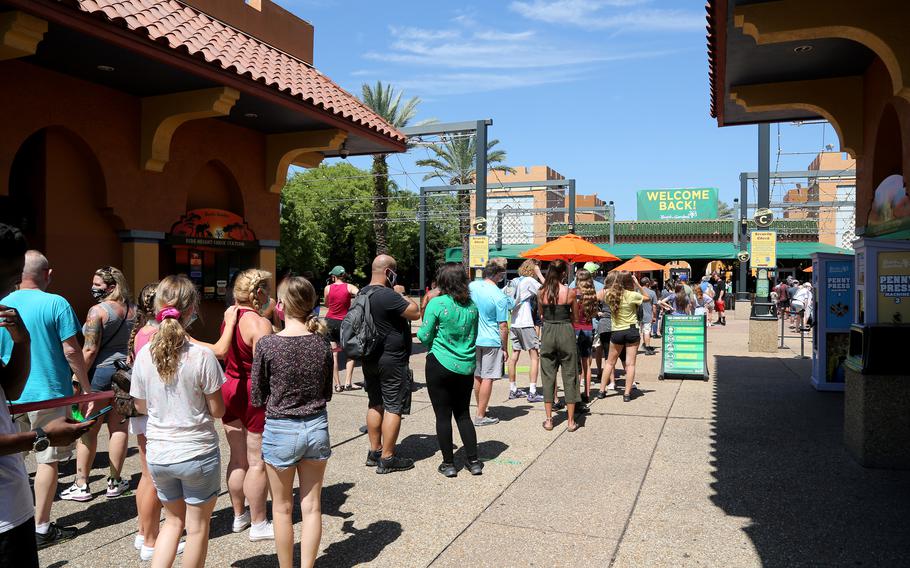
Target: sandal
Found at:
547, 424
339, 388
573, 427
351, 387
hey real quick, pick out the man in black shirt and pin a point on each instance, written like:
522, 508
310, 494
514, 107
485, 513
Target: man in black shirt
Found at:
385, 370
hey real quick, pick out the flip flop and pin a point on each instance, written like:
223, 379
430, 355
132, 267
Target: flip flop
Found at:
351, 387
573, 427
339, 388
545, 422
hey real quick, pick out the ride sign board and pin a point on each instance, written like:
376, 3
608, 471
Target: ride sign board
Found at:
479, 252
676, 204
685, 342
764, 249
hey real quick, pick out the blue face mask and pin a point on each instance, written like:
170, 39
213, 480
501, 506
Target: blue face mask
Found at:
192, 320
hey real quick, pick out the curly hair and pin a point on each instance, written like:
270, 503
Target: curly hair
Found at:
145, 311
584, 284
173, 292
248, 283
614, 295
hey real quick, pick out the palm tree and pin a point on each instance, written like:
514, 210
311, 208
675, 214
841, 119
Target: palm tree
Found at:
385, 102
455, 163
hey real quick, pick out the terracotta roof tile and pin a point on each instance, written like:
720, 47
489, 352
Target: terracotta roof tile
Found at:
189, 30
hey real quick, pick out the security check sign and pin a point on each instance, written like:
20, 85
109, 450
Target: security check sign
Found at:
764, 249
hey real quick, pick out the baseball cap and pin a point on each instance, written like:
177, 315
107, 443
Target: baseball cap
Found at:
337, 271
592, 266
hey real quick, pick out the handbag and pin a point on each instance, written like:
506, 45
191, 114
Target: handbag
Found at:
121, 381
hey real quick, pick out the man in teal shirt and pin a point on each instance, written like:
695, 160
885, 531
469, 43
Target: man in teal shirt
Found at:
493, 307
55, 356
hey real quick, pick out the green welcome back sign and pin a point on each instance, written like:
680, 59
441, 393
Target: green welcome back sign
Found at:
677, 204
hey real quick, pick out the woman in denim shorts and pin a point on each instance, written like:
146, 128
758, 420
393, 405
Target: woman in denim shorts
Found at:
292, 378
177, 384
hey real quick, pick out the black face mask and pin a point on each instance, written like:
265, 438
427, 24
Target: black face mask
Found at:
100, 294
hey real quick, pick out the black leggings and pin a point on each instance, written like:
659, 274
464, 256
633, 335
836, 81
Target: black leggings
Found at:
450, 394
18, 548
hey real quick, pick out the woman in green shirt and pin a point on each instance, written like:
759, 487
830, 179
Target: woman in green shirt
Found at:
449, 331
624, 297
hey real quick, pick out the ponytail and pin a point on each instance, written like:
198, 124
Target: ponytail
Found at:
316, 325
166, 347
175, 300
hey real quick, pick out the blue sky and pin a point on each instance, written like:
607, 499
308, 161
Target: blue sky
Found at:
611, 92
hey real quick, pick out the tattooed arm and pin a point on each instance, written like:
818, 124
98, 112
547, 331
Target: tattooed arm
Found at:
93, 330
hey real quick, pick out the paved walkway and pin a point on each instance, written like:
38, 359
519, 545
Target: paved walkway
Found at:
747, 469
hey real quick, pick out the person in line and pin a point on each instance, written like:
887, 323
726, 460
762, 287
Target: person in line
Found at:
292, 378
177, 384
797, 305
107, 331
720, 303
624, 297
386, 375
338, 296
783, 298
677, 304
55, 357
587, 305
243, 422
803, 301
648, 310
605, 330
18, 548
431, 293
148, 506
658, 311
596, 347
558, 349
493, 307
702, 305
449, 330
707, 290
523, 332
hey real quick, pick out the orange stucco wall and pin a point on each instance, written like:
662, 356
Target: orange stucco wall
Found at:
84, 140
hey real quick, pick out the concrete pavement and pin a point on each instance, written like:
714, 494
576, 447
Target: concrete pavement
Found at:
747, 469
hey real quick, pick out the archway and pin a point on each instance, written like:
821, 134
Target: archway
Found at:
214, 187
57, 190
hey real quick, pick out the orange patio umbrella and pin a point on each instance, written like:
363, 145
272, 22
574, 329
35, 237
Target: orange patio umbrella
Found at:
639, 264
570, 248
807, 269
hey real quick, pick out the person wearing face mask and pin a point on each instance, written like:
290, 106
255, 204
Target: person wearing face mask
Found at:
385, 369
338, 296
107, 330
243, 422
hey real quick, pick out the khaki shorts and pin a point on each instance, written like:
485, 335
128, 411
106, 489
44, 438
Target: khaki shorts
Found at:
39, 419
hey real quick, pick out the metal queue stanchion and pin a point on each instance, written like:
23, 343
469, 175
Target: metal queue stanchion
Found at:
801, 337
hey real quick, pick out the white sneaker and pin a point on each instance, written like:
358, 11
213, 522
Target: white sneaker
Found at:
77, 493
262, 531
117, 487
138, 542
241, 523
146, 552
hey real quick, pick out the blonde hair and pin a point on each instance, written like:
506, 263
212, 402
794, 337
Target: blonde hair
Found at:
623, 281
114, 277
248, 283
177, 292
299, 298
527, 268
584, 283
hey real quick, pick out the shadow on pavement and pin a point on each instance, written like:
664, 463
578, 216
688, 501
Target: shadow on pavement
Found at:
780, 462
507, 413
418, 447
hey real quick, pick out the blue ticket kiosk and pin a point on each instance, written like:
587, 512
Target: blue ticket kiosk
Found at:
833, 285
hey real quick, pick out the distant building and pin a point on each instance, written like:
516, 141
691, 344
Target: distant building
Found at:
836, 223
526, 212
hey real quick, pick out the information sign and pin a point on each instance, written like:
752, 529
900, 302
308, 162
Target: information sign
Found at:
677, 203
761, 288
764, 249
479, 252
684, 352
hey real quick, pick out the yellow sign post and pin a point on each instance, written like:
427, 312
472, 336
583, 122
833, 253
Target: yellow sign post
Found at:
479, 251
764, 249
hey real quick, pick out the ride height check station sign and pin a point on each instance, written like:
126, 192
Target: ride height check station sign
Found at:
677, 204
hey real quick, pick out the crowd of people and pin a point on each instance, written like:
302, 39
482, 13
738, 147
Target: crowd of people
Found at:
795, 303
270, 375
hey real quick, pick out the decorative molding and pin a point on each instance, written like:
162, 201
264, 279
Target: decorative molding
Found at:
880, 25
300, 149
839, 100
266, 243
136, 236
20, 34
162, 116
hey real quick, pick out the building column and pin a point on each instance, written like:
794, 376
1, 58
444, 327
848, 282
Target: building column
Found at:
267, 257
140, 257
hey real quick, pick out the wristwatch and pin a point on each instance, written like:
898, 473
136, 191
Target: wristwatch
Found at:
41, 440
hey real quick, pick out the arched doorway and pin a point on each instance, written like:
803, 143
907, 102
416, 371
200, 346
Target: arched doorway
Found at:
57, 193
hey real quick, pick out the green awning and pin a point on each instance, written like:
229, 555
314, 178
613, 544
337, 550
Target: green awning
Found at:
674, 251
799, 250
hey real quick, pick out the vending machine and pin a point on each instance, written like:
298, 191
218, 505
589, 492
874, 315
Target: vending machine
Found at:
832, 285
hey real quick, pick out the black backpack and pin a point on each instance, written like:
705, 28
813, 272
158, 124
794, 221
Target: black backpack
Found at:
358, 332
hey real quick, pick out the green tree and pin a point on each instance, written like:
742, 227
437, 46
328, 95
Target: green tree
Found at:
724, 211
325, 220
455, 164
385, 102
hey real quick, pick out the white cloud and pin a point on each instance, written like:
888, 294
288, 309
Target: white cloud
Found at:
603, 14
462, 83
